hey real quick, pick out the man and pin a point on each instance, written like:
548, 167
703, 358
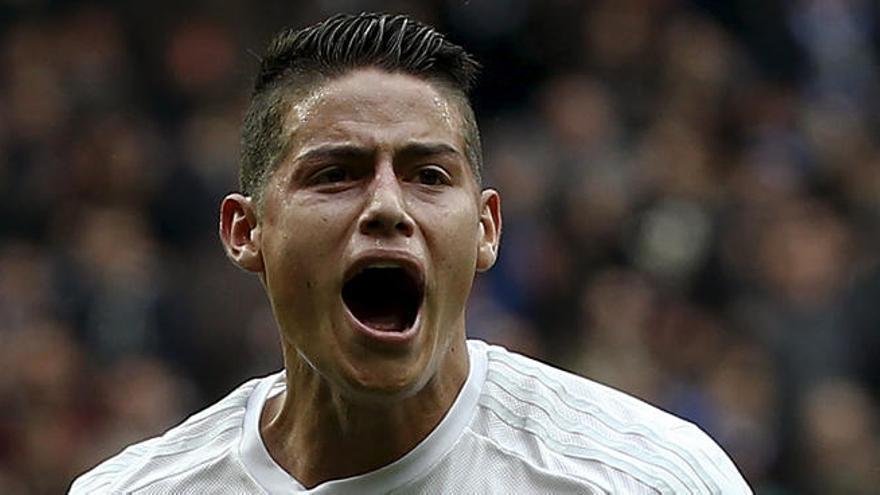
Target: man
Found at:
363, 215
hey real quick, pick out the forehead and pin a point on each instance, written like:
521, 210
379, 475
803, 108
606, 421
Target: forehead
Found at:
373, 108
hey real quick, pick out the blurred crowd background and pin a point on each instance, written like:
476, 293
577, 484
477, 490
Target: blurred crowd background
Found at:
691, 199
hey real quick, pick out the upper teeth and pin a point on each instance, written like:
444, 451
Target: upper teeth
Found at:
384, 264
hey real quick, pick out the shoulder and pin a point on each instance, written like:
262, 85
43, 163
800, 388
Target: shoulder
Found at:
586, 429
201, 441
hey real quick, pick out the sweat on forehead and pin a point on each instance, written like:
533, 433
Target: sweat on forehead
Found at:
349, 92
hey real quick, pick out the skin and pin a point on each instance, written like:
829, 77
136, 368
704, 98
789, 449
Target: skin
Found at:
376, 168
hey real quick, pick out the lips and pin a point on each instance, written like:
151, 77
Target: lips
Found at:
384, 295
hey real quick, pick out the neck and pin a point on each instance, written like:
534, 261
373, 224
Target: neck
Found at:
317, 434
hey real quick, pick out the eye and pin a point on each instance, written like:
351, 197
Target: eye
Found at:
432, 176
330, 175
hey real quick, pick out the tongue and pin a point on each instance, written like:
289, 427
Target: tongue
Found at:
388, 322
381, 313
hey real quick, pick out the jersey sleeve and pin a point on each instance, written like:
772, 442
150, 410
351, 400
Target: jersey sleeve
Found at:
92, 483
712, 463
104, 478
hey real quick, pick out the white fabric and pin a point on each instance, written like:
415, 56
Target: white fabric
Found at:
517, 426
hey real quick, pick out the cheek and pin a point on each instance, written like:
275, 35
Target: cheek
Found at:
288, 275
308, 229
300, 249
452, 242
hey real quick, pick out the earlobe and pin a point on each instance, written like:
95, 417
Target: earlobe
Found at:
490, 229
240, 232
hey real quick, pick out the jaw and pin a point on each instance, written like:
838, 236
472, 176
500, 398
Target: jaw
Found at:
426, 365
435, 350
381, 370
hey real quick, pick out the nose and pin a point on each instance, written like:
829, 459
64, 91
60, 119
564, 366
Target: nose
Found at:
385, 214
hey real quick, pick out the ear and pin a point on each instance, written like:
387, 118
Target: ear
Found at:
490, 229
240, 232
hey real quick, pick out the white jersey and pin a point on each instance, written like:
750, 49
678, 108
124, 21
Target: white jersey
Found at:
517, 426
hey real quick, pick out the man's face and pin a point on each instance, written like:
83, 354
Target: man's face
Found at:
370, 233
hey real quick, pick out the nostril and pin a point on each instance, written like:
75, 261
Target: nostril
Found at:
404, 227
372, 225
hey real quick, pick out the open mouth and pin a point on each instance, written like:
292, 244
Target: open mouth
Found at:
384, 298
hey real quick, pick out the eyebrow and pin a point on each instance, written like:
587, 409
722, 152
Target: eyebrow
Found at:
428, 149
345, 150
334, 151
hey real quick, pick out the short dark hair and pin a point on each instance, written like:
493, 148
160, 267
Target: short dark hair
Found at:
296, 61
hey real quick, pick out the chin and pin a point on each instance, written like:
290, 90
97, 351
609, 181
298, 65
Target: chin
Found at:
385, 381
